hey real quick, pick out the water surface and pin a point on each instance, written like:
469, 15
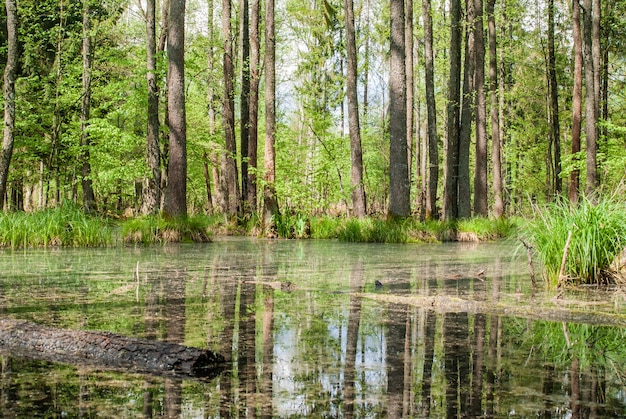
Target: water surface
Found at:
318, 329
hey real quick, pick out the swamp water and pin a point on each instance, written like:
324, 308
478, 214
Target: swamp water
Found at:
319, 329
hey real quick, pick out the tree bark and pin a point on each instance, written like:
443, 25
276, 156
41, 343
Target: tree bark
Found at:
480, 174
10, 74
496, 145
229, 164
244, 109
106, 350
399, 186
356, 154
450, 204
464, 199
591, 114
431, 109
152, 188
176, 192
89, 200
574, 178
253, 133
410, 86
555, 129
270, 203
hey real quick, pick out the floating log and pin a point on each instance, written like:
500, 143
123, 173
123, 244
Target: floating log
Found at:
106, 350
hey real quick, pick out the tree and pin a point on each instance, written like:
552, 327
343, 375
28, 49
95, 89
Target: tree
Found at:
399, 186
244, 109
591, 108
498, 204
576, 100
480, 173
152, 185
89, 200
253, 132
431, 109
270, 203
10, 74
555, 130
356, 154
450, 205
176, 192
229, 164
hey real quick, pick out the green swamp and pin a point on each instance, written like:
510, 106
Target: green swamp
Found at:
309, 332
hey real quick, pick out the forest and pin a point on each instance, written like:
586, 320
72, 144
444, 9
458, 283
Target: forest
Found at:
438, 109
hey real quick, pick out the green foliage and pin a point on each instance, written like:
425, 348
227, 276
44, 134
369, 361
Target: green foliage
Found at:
159, 229
598, 235
293, 226
67, 225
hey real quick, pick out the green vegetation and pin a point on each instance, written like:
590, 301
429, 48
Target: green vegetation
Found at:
598, 237
158, 229
66, 225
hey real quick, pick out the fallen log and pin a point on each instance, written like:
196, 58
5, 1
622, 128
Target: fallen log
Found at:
20, 338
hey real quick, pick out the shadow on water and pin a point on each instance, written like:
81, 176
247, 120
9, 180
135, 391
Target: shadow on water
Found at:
317, 329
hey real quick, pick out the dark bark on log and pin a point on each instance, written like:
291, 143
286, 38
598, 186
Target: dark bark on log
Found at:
106, 350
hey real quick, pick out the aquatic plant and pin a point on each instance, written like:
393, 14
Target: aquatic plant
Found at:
579, 243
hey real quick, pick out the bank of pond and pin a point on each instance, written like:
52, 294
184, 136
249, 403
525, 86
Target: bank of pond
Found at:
582, 244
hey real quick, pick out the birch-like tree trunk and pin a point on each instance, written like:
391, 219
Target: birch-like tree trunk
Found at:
10, 75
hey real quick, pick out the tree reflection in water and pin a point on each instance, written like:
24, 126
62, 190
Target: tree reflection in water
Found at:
326, 348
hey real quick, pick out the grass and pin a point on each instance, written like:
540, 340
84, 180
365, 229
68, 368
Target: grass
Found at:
158, 229
598, 237
66, 226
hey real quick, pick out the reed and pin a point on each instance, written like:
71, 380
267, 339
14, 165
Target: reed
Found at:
597, 234
158, 229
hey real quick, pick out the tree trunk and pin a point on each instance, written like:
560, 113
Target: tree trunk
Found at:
9, 96
356, 154
464, 199
176, 192
229, 164
399, 186
431, 109
450, 205
480, 175
106, 350
576, 100
152, 189
270, 203
591, 117
89, 200
498, 204
410, 85
555, 129
255, 48
244, 122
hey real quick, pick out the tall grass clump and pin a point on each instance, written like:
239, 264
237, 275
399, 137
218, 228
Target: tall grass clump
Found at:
67, 225
158, 229
598, 237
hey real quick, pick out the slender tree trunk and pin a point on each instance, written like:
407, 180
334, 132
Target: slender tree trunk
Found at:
498, 204
555, 130
591, 118
450, 206
152, 188
270, 203
576, 99
176, 192
244, 122
431, 109
89, 200
464, 200
410, 85
229, 164
356, 155
10, 75
399, 186
480, 175
255, 48
366, 59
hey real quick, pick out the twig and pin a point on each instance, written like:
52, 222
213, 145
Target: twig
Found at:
529, 253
